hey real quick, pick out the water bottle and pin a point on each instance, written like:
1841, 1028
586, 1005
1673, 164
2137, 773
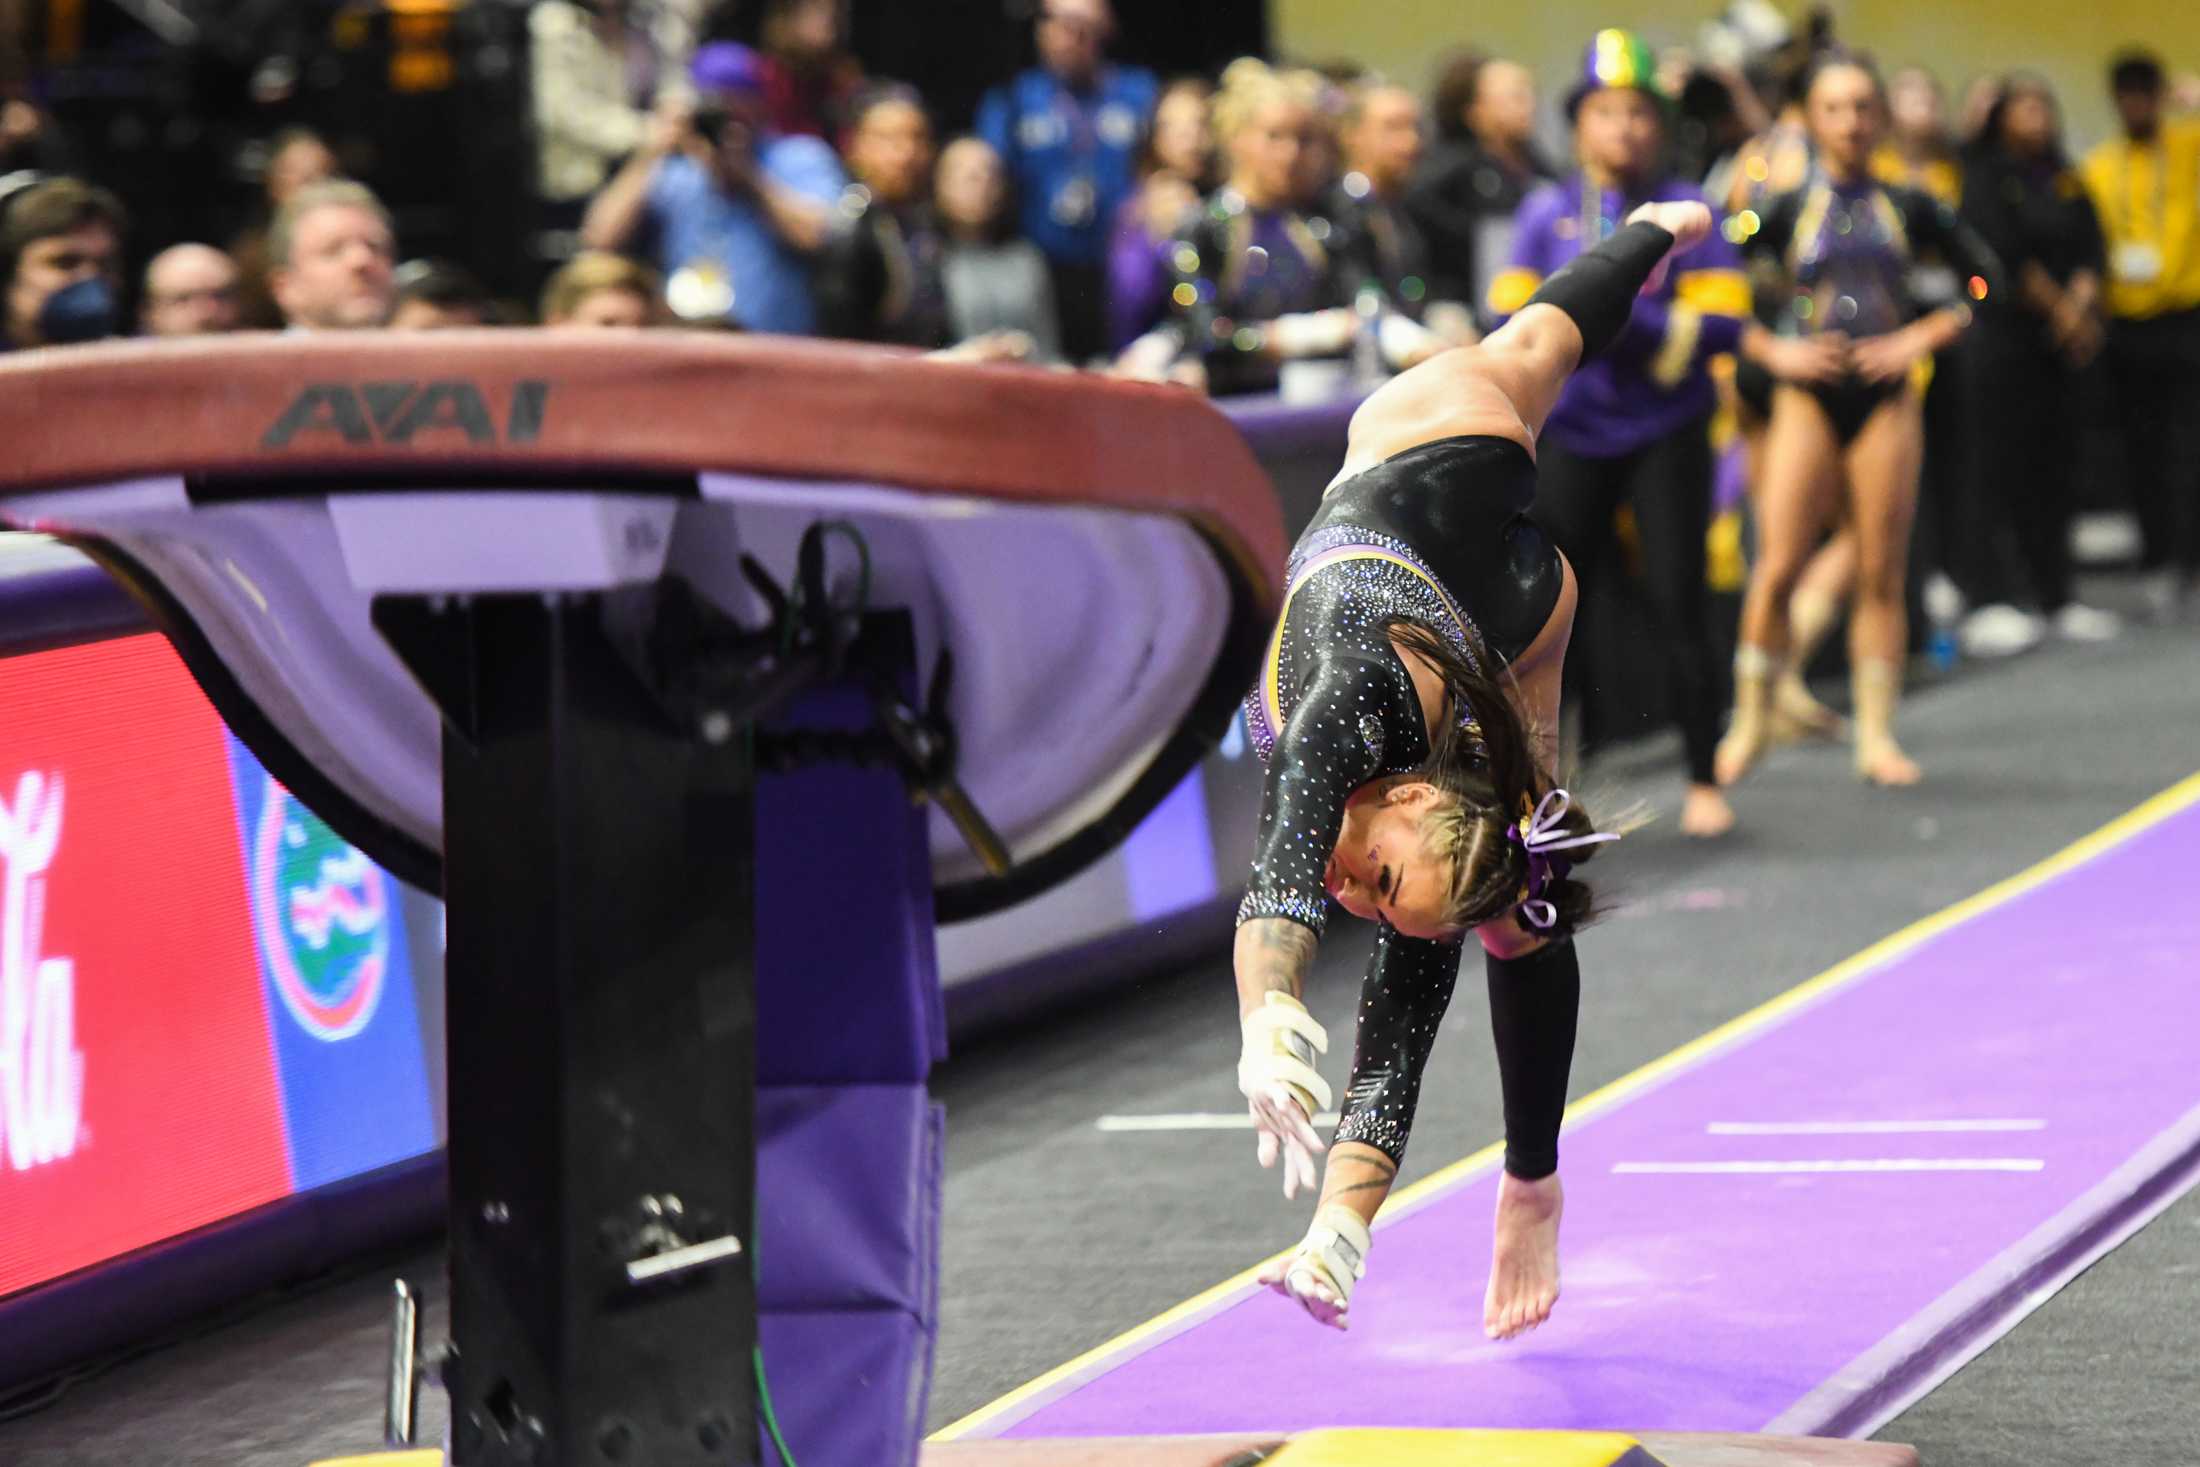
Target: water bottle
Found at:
1367, 340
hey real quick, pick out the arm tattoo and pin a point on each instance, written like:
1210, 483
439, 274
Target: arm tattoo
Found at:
1273, 955
1385, 1174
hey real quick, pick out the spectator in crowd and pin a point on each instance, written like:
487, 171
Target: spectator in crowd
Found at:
811, 79
596, 289
1920, 152
595, 77
1173, 175
1000, 298
879, 276
1254, 287
28, 137
1633, 427
190, 290
1321, 156
1377, 236
2021, 195
437, 295
334, 257
2146, 187
1483, 163
296, 159
1070, 131
732, 213
61, 260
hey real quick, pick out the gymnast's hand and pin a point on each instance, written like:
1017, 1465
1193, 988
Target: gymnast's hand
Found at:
1282, 1089
1685, 219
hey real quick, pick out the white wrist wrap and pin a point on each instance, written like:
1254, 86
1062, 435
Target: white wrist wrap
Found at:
1280, 1044
1335, 1248
1312, 333
1402, 339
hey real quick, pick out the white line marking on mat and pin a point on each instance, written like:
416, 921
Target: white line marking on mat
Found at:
1867, 1128
1859, 1164
1194, 1121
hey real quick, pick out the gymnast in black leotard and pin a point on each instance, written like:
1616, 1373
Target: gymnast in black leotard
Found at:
1405, 712
1852, 357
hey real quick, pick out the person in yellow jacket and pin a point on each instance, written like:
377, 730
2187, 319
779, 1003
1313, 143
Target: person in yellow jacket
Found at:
2146, 189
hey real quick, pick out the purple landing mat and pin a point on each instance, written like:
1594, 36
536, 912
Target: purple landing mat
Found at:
1728, 1299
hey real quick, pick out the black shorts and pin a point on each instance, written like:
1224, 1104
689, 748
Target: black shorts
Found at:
1461, 505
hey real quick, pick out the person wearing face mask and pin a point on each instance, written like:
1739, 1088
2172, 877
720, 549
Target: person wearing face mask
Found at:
61, 259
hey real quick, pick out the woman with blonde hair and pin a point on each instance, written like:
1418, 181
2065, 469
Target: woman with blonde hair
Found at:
1253, 285
597, 288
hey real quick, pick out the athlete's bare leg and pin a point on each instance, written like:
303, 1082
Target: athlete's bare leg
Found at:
1883, 466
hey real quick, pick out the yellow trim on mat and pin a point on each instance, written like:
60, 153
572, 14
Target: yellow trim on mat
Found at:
2169, 802
421, 1457
1400, 1447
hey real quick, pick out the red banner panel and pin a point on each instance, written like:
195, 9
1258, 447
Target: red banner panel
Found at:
138, 1092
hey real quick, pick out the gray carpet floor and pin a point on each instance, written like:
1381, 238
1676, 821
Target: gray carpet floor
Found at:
1060, 1237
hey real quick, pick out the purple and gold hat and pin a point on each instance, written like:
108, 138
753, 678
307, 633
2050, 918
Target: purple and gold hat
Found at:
1616, 58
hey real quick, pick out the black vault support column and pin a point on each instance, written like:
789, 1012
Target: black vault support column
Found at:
599, 880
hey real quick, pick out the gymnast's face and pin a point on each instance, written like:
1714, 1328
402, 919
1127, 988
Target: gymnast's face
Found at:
1381, 870
1844, 113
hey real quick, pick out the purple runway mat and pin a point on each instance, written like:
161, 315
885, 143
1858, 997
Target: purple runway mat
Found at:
1732, 1257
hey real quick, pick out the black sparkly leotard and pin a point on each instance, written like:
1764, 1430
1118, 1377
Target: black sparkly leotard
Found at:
1848, 252
1437, 534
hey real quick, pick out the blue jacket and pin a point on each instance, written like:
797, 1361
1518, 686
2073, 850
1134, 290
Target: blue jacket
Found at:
1072, 159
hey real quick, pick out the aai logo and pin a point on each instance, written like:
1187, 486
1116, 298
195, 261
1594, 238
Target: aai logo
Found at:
324, 916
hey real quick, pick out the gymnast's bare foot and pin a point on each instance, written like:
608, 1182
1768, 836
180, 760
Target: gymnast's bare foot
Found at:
1881, 761
1524, 1262
1705, 814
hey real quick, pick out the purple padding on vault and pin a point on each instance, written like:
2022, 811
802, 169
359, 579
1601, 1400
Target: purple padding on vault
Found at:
847, 1388
847, 1197
848, 983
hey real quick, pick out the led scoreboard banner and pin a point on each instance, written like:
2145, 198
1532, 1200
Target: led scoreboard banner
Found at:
207, 998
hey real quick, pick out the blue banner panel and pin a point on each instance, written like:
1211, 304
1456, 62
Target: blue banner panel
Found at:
330, 932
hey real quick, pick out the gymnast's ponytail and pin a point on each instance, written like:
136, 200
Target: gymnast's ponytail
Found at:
1484, 761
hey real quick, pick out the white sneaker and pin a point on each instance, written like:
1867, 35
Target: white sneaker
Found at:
2078, 622
2165, 597
1943, 602
2000, 630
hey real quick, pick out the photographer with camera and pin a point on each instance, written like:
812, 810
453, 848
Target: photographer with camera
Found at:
730, 212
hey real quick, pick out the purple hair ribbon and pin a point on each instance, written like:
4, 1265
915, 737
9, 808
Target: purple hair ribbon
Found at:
1542, 834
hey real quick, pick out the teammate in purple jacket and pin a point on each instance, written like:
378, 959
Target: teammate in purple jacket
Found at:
1633, 426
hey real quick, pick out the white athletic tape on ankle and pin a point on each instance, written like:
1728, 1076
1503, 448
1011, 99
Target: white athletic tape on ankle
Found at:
1281, 1041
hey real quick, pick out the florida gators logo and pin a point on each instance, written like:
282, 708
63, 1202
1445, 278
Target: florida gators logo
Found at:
323, 913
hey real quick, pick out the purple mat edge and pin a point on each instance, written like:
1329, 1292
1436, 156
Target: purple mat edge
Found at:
1910, 1363
1957, 1328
